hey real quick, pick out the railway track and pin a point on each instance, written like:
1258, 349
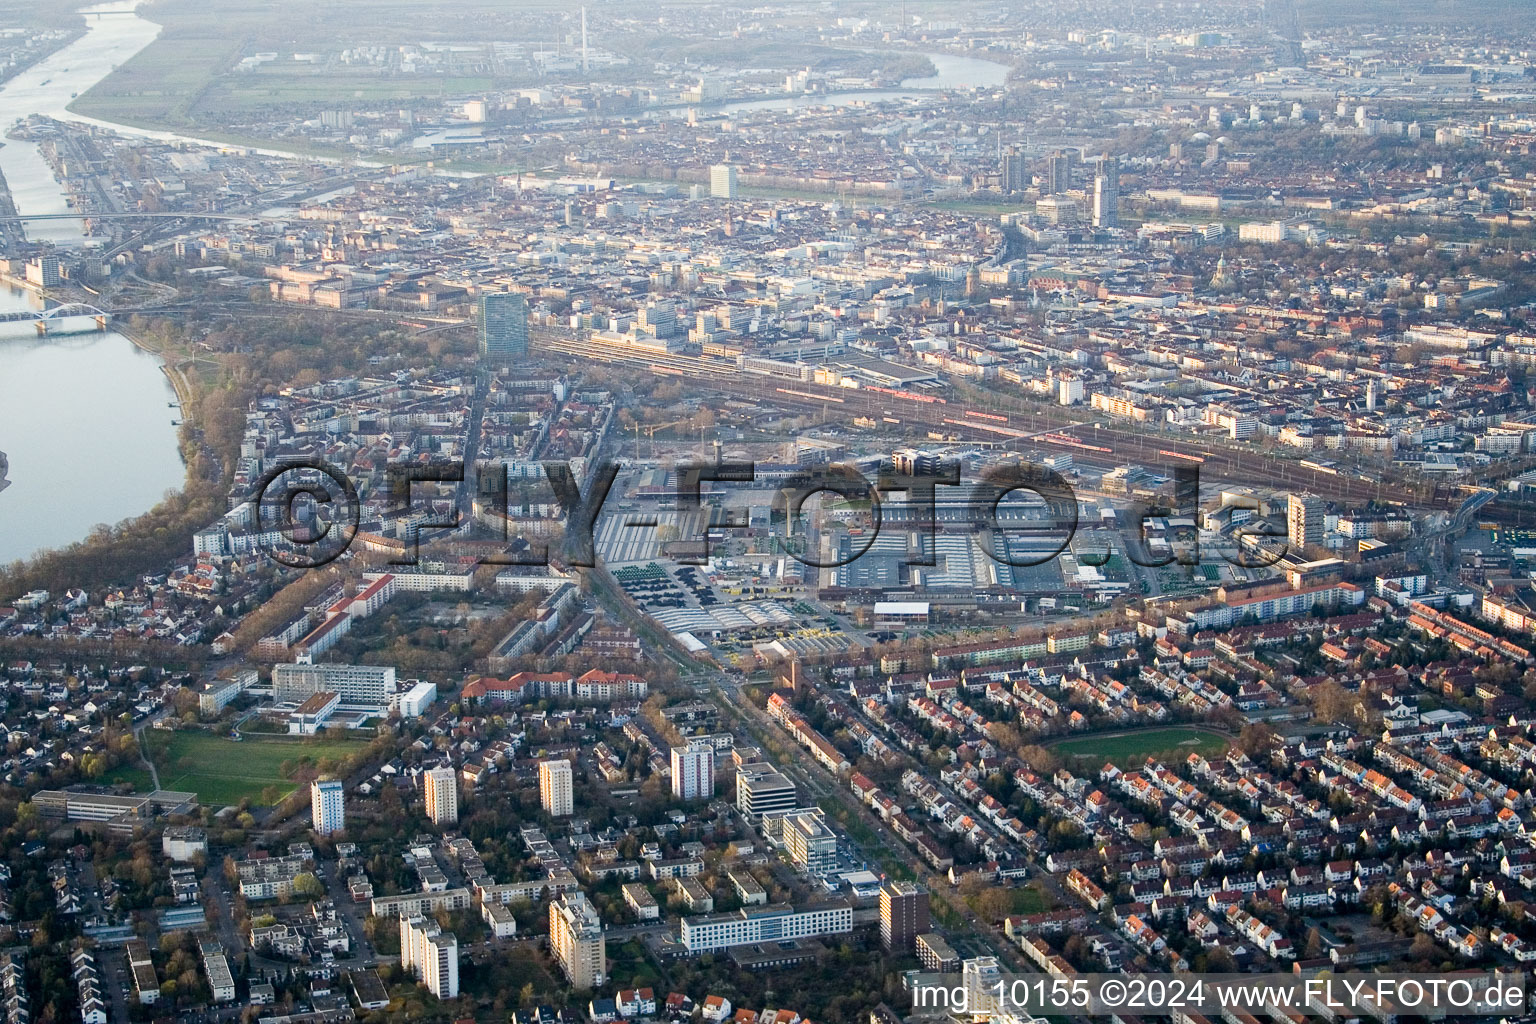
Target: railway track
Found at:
1106, 446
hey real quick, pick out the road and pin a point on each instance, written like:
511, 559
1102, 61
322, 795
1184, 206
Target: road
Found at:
352, 915
1439, 543
464, 495
138, 738
217, 900
110, 960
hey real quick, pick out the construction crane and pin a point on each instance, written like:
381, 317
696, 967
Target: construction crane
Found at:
650, 432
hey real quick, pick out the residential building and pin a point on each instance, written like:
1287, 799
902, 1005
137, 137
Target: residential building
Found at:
87, 975
936, 954
556, 792
1304, 516
45, 270
1106, 194
903, 914
693, 771
146, 984
360, 686
432, 954
576, 941
221, 980
1015, 171
640, 900
410, 903
1058, 174
183, 842
502, 922
217, 694
442, 793
982, 978
326, 806
270, 878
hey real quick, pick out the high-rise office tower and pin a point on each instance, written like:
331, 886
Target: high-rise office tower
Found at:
556, 791
1106, 194
442, 792
1015, 171
761, 790
326, 806
1058, 173
1304, 516
693, 771
903, 914
811, 845
722, 181
503, 328
659, 317
576, 940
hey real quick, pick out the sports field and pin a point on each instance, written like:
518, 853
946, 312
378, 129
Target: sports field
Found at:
1132, 748
222, 771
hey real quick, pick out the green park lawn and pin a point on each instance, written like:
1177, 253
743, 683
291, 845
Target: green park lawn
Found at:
223, 771
1132, 748
133, 773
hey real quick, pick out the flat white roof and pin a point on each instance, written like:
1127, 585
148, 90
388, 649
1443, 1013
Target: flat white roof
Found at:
901, 607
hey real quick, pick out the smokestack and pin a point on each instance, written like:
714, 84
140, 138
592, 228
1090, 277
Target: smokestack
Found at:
584, 65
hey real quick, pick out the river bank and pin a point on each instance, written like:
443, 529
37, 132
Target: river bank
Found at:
91, 421
88, 422
174, 374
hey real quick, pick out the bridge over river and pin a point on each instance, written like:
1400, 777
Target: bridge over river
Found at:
53, 320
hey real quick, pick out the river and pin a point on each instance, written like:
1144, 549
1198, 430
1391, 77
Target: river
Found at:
86, 422
84, 418
950, 72
113, 34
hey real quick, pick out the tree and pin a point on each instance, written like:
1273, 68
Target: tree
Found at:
1332, 703
306, 884
995, 904
1226, 717
1314, 944
1257, 739
1040, 759
1006, 735
1219, 961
